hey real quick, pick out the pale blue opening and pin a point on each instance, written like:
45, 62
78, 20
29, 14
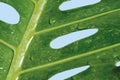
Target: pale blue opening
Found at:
72, 4
8, 14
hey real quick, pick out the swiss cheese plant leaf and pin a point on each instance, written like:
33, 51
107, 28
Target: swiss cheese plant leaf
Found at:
25, 52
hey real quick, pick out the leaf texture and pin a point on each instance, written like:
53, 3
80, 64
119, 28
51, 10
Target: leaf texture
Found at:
25, 52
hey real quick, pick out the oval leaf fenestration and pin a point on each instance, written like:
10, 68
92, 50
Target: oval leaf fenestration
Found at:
8, 14
69, 73
67, 39
72, 4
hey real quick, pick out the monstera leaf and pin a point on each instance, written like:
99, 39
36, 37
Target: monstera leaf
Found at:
25, 52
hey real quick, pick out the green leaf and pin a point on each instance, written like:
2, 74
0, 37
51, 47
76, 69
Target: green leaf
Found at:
26, 55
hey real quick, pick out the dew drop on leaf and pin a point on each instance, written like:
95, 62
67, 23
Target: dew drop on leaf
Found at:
52, 21
31, 58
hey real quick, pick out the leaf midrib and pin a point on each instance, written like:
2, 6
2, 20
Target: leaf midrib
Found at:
20, 51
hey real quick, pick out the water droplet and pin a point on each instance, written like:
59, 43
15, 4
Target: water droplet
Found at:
52, 21
31, 58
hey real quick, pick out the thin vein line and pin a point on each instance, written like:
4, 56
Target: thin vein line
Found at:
7, 44
70, 58
78, 21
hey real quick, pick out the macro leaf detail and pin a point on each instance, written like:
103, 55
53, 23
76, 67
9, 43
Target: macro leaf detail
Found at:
25, 52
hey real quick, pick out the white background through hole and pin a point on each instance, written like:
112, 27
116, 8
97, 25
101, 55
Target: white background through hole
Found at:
72, 4
67, 39
8, 14
69, 73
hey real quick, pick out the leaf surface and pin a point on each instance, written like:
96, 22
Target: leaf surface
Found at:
25, 52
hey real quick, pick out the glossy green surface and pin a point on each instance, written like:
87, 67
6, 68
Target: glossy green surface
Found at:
26, 55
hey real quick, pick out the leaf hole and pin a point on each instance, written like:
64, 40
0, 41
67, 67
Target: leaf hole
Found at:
67, 39
8, 14
72, 4
69, 73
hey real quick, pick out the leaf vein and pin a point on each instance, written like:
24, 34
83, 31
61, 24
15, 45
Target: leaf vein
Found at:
7, 44
20, 52
70, 58
78, 21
